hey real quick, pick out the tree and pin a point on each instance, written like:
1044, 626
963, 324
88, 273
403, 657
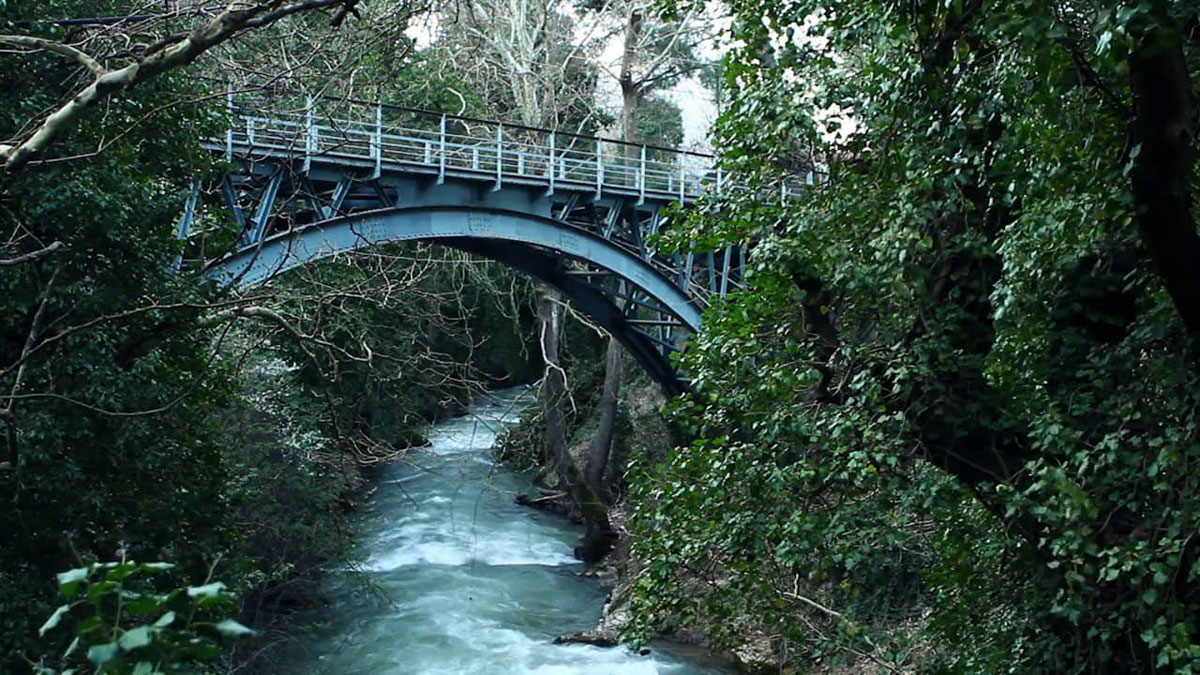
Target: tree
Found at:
142, 54
654, 55
121, 374
967, 362
525, 59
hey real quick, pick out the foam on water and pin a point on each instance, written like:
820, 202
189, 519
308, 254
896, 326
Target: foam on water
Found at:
436, 553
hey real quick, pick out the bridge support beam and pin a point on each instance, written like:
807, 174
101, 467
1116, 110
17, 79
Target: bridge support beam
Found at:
537, 245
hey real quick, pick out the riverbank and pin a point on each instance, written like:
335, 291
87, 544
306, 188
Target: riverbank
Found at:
643, 436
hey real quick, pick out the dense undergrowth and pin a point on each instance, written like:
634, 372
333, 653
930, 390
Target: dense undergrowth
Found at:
148, 416
950, 424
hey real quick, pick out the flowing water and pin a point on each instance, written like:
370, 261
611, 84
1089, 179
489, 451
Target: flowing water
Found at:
466, 581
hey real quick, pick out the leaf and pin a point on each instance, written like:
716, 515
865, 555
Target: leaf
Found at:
68, 582
103, 654
71, 648
206, 591
143, 668
231, 628
141, 605
54, 619
120, 572
165, 620
157, 566
138, 637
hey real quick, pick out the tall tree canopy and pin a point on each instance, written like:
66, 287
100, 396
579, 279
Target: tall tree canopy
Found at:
961, 385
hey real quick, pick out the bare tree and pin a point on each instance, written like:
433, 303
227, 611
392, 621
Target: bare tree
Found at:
654, 54
524, 56
119, 56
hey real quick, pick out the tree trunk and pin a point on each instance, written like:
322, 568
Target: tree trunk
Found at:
598, 534
631, 89
553, 390
601, 449
1161, 135
597, 461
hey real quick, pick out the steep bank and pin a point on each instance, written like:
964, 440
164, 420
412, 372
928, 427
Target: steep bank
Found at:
643, 437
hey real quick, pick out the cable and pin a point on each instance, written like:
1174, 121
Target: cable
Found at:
115, 20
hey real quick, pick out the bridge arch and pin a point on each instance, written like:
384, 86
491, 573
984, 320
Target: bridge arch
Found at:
536, 245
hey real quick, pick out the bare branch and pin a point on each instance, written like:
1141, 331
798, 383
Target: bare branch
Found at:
238, 16
32, 255
30, 42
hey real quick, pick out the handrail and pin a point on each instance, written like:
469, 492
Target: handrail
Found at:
485, 149
497, 149
281, 92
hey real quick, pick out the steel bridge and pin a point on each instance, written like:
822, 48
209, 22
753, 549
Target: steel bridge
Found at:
314, 180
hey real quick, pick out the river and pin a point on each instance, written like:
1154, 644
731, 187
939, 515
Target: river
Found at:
465, 581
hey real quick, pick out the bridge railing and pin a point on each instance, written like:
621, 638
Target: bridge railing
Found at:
391, 137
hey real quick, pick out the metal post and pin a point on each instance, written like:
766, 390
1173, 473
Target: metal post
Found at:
378, 149
189, 211
682, 179
310, 135
642, 179
720, 175
442, 151
552, 144
185, 221
229, 131
499, 156
266, 203
725, 271
599, 168
250, 131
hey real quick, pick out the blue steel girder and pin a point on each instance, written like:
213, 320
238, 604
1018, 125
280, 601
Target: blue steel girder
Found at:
538, 245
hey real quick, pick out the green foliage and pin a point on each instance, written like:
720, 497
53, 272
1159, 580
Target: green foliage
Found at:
121, 622
131, 420
100, 343
659, 122
950, 423
410, 334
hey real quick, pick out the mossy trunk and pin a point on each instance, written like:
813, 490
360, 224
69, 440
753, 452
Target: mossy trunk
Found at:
598, 534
